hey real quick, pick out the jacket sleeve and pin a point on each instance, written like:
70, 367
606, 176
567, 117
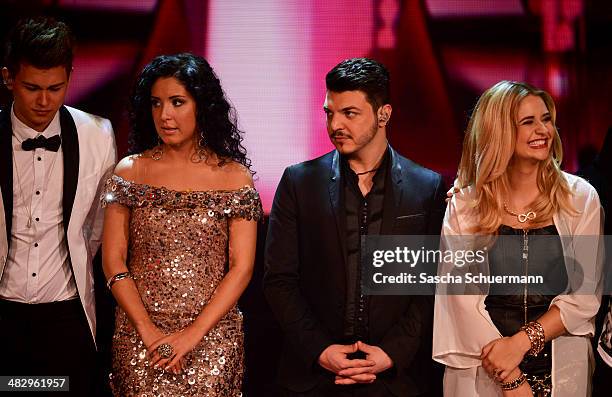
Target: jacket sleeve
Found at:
462, 326
303, 332
584, 251
95, 216
403, 340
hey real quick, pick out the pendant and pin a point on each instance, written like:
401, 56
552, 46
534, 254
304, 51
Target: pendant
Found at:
522, 218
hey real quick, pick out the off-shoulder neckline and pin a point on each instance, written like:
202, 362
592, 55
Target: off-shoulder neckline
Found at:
242, 189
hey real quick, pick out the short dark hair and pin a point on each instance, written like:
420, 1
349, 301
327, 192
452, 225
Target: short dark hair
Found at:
361, 74
42, 42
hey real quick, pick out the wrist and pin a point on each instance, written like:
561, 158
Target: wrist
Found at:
388, 360
322, 355
516, 381
144, 325
515, 373
522, 341
197, 332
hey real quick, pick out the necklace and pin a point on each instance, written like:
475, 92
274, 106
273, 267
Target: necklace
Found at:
366, 172
522, 218
373, 169
526, 258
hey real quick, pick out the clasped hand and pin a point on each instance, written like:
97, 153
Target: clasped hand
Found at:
501, 356
350, 371
182, 342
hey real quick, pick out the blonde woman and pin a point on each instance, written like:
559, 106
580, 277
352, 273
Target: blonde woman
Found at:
511, 184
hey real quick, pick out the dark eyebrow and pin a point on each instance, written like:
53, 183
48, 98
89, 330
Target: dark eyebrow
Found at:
350, 108
32, 85
172, 97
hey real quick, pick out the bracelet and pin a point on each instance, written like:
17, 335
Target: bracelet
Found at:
117, 277
535, 333
515, 384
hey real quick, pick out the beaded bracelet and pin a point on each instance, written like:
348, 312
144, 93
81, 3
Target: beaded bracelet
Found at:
515, 384
535, 333
117, 277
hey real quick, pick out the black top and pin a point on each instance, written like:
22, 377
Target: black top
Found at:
544, 258
363, 216
539, 252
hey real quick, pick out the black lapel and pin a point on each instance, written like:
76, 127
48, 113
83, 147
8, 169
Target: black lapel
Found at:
335, 196
393, 193
6, 168
70, 153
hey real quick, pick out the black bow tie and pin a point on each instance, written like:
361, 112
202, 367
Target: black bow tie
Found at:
52, 143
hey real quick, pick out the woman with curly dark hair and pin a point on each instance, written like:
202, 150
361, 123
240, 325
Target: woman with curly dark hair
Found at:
179, 236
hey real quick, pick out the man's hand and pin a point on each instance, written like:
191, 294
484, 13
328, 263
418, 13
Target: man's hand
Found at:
333, 359
366, 374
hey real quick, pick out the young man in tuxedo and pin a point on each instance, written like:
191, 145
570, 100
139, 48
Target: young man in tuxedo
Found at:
53, 159
338, 342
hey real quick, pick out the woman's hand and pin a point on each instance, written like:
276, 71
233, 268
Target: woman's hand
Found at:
182, 342
523, 390
149, 334
501, 356
451, 192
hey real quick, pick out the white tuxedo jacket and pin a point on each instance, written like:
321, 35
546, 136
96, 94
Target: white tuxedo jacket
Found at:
89, 153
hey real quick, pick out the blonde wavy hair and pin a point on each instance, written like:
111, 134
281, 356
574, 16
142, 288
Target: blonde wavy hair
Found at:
489, 146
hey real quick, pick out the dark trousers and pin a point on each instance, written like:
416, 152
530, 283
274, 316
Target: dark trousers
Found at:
48, 339
376, 389
328, 389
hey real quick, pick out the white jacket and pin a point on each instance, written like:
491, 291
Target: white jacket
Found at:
96, 157
462, 325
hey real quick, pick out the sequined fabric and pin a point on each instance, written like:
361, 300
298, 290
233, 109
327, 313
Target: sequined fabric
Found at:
178, 245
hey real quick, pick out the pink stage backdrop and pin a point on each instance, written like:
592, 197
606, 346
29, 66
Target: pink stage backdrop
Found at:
272, 57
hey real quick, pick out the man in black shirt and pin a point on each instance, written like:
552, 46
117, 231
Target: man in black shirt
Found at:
337, 341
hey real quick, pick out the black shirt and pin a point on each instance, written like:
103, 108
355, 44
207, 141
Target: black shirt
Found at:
363, 215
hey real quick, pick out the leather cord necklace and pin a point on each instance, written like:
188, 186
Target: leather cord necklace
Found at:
366, 172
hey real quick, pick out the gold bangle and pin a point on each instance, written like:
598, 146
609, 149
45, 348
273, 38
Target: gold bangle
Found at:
117, 277
515, 384
535, 333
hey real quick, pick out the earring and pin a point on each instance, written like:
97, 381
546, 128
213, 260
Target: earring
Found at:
158, 151
200, 154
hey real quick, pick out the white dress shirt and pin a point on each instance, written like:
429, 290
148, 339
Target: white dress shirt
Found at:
37, 268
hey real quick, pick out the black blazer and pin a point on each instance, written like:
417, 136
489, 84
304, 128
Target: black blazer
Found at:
305, 279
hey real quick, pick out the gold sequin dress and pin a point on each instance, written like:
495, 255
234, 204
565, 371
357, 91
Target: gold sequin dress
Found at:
178, 246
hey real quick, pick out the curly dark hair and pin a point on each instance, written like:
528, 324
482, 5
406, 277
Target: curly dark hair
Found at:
215, 117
